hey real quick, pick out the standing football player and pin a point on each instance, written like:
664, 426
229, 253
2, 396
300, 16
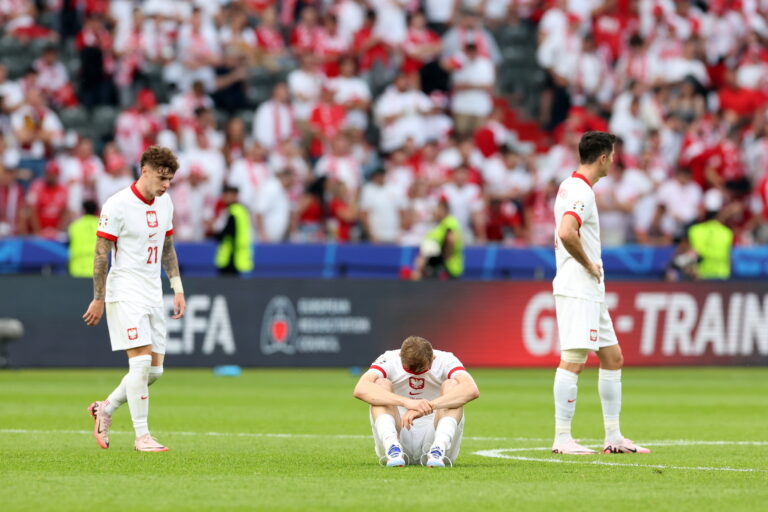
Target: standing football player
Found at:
136, 226
582, 315
417, 397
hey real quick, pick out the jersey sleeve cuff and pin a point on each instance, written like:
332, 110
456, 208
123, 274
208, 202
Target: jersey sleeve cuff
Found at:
102, 234
457, 369
376, 367
169, 233
578, 218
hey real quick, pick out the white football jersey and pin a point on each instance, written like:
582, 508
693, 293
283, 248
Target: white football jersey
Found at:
424, 385
576, 197
138, 227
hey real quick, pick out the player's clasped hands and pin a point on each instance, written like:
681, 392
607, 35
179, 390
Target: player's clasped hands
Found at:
94, 312
416, 409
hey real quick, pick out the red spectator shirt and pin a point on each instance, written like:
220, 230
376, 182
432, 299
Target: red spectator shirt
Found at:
305, 39
269, 39
328, 119
49, 203
376, 52
414, 40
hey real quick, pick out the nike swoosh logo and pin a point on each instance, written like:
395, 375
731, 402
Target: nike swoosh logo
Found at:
144, 397
152, 235
571, 401
412, 394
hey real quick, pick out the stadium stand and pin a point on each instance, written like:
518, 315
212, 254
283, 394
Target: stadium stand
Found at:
505, 93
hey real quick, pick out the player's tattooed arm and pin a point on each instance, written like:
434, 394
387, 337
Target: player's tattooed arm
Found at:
100, 264
170, 261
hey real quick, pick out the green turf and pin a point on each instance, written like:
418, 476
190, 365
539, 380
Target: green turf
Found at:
56, 465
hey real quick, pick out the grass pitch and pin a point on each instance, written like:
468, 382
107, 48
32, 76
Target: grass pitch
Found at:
297, 440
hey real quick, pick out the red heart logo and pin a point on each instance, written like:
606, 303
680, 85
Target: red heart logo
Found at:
279, 330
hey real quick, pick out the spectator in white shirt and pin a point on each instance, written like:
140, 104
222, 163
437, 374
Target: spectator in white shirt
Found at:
249, 174
53, 79
465, 200
37, 130
274, 120
206, 160
473, 80
630, 127
440, 13
470, 29
381, 209
400, 114
118, 174
340, 164
352, 93
680, 197
200, 51
273, 208
505, 176
305, 85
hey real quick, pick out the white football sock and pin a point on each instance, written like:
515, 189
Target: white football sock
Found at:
566, 388
387, 430
444, 433
609, 385
137, 391
155, 372
118, 396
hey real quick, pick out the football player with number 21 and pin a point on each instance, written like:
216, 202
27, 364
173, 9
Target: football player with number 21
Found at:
136, 227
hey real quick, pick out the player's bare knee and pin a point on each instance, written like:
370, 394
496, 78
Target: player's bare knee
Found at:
614, 362
385, 383
611, 359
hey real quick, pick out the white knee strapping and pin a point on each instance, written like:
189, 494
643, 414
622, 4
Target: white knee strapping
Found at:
575, 355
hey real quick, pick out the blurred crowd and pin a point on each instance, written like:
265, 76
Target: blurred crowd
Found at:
380, 110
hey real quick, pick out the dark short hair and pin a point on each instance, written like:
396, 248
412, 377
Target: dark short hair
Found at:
594, 144
159, 158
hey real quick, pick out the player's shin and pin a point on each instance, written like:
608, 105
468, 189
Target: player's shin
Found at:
118, 397
155, 372
136, 387
565, 391
386, 428
609, 386
444, 433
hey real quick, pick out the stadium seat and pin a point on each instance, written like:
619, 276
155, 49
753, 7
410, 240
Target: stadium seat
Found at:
103, 120
75, 118
258, 95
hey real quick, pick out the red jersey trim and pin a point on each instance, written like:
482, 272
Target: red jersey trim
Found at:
106, 235
578, 218
457, 369
414, 373
168, 233
376, 367
581, 177
136, 192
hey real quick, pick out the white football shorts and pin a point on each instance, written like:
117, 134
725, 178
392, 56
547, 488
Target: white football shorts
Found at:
134, 325
583, 324
419, 439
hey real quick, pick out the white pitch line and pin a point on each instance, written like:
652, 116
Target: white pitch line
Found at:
252, 434
501, 454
